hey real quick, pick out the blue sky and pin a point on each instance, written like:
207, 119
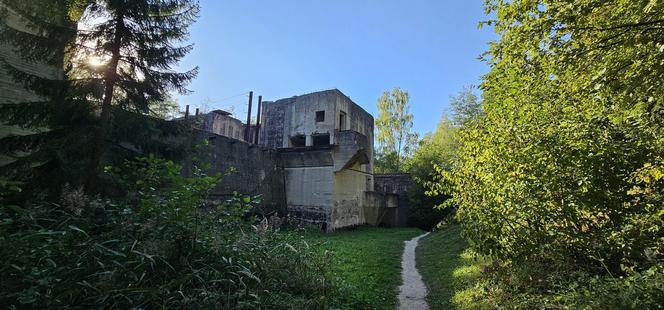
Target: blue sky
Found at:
282, 48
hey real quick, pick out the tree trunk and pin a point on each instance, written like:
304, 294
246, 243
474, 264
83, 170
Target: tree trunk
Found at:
110, 79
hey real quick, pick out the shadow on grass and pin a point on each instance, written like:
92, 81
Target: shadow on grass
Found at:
448, 268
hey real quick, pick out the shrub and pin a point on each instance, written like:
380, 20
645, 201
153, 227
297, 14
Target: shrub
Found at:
565, 163
162, 247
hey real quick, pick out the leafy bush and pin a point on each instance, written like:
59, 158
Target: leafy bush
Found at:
435, 149
566, 161
560, 179
537, 287
160, 248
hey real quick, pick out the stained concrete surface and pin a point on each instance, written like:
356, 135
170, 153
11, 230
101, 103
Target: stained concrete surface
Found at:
413, 292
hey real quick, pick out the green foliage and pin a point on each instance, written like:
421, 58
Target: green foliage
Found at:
458, 278
166, 109
396, 141
568, 170
435, 150
78, 116
162, 247
559, 177
76, 9
534, 286
467, 107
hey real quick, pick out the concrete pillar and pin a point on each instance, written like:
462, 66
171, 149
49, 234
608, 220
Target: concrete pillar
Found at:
308, 140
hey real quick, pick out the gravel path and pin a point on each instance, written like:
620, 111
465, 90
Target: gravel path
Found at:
413, 292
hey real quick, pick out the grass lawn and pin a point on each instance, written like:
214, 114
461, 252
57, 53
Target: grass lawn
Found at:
448, 269
368, 260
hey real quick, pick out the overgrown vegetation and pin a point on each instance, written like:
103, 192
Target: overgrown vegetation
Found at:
399, 150
369, 262
559, 178
435, 149
162, 247
117, 68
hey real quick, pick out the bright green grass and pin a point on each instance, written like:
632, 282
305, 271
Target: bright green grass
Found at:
447, 268
369, 261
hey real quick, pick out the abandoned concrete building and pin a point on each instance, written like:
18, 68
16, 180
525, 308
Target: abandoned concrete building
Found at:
314, 161
221, 123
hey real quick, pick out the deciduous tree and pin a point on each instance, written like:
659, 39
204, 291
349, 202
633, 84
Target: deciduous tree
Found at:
565, 163
396, 140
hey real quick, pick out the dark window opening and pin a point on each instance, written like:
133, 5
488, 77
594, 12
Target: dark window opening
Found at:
320, 116
298, 141
342, 120
323, 139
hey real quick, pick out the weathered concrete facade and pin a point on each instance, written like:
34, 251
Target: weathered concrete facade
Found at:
321, 145
326, 141
252, 170
221, 123
396, 185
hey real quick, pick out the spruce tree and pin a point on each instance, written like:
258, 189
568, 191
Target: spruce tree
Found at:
118, 65
135, 40
43, 121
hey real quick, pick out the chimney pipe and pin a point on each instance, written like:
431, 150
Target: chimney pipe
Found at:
246, 131
258, 119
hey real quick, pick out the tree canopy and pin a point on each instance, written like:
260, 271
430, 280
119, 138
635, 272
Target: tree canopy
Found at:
118, 64
396, 140
565, 162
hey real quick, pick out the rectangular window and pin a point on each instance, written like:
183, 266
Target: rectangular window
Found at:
298, 141
321, 139
320, 116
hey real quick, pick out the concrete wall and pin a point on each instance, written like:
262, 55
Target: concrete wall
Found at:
309, 190
300, 117
325, 184
359, 121
355, 147
330, 186
349, 197
397, 184
309, 195
381, 209
258, 171
10, 91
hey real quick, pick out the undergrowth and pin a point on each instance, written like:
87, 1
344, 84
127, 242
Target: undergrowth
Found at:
459, 278
161, 247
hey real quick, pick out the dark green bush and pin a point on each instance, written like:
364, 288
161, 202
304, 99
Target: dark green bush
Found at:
160, 248
533, 286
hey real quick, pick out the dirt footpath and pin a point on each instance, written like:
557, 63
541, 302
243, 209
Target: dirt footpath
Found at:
413, 292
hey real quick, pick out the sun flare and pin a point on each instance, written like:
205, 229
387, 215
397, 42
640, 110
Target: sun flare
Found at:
95, 61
